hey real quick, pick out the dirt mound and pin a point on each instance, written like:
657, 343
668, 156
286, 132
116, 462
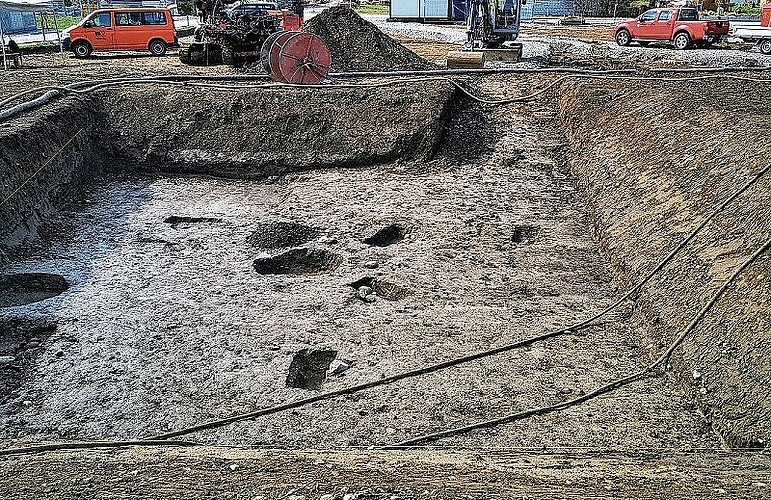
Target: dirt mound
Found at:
358, 45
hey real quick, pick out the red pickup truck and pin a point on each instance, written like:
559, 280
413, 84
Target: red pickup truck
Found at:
680, 25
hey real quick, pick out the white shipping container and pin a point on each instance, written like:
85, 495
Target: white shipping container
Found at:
417, 9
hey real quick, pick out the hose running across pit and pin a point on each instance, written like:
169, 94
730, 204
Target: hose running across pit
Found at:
610, 387
465, 359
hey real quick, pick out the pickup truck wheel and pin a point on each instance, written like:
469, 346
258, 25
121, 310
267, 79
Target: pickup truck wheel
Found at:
623, 38
157, 47
81, 49
765, 46
682, 40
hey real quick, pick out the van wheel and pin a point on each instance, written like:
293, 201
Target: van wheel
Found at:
765, 46
157, 47
682, 40
81, 49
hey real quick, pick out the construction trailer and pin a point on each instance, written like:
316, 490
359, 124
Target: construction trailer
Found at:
451, 11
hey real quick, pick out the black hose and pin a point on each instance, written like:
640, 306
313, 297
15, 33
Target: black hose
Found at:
91, 445
612, 386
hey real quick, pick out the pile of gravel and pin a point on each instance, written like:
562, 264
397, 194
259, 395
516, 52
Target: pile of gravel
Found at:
358, 45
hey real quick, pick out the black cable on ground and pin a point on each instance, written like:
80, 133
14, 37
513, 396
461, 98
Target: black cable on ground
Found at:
90, 445
176, 78
183, 80
465, 359
612, 386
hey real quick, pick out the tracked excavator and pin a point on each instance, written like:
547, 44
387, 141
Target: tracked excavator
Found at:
491, 27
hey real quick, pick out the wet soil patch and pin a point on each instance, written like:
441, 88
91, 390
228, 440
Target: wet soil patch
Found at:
524, 233
386, 236
176, 220
282, 235
20, 341
26, 288
298, 261
309, 369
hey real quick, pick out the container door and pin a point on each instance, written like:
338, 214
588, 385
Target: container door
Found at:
433, 9
405, 8
459, 9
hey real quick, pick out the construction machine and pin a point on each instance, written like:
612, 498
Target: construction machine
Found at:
235, 35
489, 25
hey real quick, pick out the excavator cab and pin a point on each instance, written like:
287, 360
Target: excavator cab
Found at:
493, 22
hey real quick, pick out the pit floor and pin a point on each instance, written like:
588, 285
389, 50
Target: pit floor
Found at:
166, 326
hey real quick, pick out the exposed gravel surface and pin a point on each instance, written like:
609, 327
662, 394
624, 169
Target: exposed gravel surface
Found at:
544, 44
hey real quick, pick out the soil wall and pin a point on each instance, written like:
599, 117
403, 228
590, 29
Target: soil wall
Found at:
654, 163
259, 133
42, 156
249, 134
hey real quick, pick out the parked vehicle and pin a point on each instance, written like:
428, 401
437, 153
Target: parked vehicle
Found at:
122, 29
679, 25
236, 38
251, 7
757, 34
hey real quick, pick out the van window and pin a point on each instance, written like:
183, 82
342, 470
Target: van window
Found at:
100, 20
128, 18
155, 18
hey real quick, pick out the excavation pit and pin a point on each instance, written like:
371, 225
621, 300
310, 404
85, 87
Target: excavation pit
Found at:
271, 235
298, 261
524, 233
382, 287
309, 369
20, 344
176, 220
28, 288
146, 309
386, 236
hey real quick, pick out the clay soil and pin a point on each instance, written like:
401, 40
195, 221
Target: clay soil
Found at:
168, 323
